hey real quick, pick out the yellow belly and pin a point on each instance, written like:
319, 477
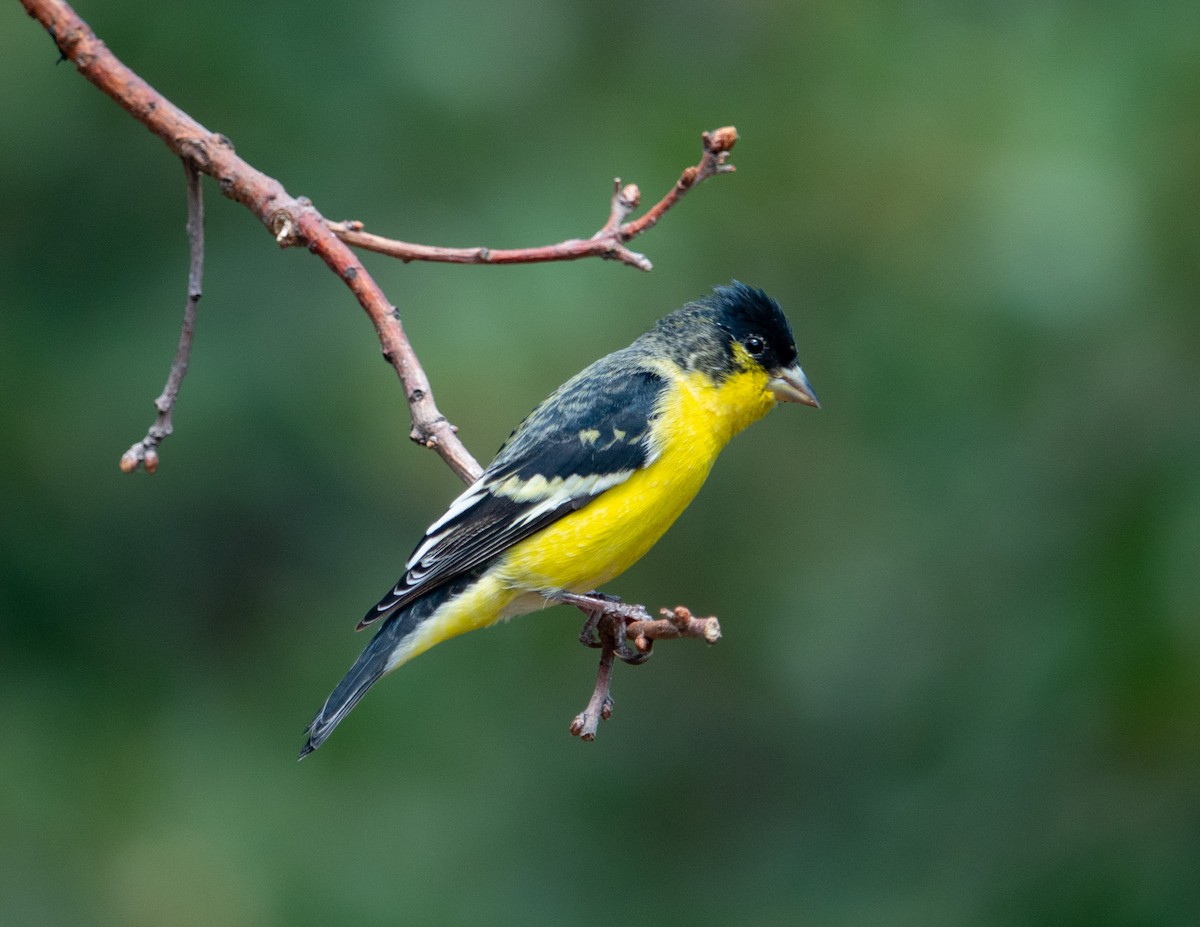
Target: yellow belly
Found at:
587, 548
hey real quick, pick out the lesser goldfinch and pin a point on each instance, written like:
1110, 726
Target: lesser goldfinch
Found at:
587, 482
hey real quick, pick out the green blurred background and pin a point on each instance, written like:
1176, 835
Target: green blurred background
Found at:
960, 678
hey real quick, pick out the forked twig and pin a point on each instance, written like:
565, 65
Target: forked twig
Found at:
609, 242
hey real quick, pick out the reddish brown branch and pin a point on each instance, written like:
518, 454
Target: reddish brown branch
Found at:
608, 242
292, 220
429, 427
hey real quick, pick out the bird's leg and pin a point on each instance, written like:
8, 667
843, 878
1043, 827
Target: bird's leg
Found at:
608, 619
609, 622
594, 605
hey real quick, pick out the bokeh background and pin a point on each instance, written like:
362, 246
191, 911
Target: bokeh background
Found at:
960, 678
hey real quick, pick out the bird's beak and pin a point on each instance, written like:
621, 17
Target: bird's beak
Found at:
791, 385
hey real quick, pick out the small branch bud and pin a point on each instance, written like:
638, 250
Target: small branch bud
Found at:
284, 229
720, 140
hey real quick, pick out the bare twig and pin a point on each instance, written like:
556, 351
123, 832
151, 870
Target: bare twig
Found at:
144, 453
600, 706
675, 622
610, 625
717, 145
608, 242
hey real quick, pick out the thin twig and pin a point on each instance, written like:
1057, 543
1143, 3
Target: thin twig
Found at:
608, 242
600, 705
144, 453
676, 622
717, 145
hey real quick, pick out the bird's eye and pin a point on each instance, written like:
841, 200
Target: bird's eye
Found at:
755, 345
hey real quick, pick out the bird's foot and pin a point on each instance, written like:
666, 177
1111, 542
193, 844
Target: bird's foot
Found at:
606, 628
593, 605
608, 619
611, 625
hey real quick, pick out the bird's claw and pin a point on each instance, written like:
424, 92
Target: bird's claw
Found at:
590, 634
625, 651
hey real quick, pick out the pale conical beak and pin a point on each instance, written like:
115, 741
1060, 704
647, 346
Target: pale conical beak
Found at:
791, 385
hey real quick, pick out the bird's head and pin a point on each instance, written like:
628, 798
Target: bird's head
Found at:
740, 328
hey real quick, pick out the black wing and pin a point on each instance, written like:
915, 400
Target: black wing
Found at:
590, 435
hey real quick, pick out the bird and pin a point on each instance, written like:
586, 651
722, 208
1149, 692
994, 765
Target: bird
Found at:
587, 482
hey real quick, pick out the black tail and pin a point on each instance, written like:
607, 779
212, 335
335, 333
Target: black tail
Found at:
372, 663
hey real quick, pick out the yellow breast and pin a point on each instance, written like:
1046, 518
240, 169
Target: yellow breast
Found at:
587, 548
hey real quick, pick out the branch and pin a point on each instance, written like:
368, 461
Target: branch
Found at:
293, 221
608, 242
144, 453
